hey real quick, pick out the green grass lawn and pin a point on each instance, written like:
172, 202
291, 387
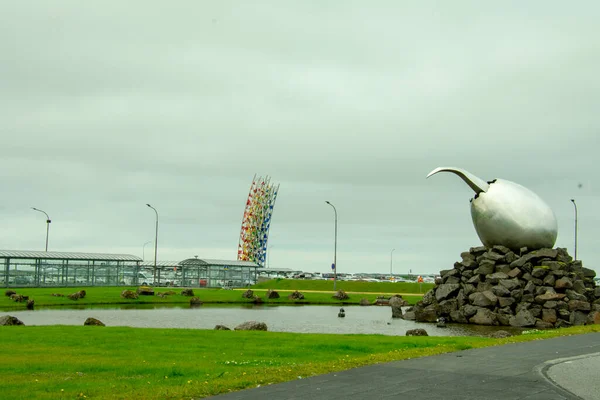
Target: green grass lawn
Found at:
348, 286
112, 295
68, 362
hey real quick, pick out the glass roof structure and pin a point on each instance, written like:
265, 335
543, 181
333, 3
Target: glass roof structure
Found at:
47, 255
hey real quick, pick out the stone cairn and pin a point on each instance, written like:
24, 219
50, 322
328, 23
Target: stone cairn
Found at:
542, 288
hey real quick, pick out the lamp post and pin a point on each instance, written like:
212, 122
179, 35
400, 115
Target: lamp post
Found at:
155, 242
47, 224
391, 263
144, 250
334, 247
575, 204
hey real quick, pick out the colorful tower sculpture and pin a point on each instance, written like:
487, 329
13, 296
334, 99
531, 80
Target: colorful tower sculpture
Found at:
257, 220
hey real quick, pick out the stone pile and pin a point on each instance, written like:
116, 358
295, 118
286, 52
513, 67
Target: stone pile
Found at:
544, 288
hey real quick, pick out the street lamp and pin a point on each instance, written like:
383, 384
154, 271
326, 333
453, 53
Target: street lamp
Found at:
391, 263
334, 247
47, 224
575, 204
155, 242
144, 250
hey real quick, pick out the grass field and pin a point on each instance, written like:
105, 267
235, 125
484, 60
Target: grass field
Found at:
348, 286
112, 295
69, 362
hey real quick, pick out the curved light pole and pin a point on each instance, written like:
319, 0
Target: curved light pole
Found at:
334, 247
155, 242
575, 204
47, 224
391, 263
144, 250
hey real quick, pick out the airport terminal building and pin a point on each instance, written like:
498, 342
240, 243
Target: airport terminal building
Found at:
42, 269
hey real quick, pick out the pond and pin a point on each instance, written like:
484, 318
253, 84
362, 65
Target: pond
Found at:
299, 319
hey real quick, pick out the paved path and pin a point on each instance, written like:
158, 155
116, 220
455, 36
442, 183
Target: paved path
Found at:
514, 371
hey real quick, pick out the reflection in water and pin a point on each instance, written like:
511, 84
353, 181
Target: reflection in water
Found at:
298, 318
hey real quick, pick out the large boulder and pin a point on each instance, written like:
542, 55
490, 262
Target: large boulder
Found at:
417, 332
129, 294
248, 294
93, 322
295, 295
484, 317
251, 326
187, 292
272, 294
523, 319
341, 295
6, 320
446, 290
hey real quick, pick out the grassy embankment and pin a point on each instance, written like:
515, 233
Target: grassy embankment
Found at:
316, 292
68, 362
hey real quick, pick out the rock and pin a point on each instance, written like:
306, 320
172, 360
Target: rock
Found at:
7, 320
30, 304
500, 334
396, 312
550, 280
542, 298
483, 299
251, 326
446, 290
486, 267
549, 315
82, 294
514, 273
561, 323
593, 318
417, 332
506, 301
340, 295
195, 301
74, 296
597, 292
496, 277
129, 294
503, 268
573, 295
501, 249
500, 291
9, 293
221, 328
539, 272
589, 273
272, 294
445, 307
563, 283
295, 295
429, 297
458, 316
426, 314
145, 291
579, 287
539, 324
248, 294
397, 300
578, 305
510, 284
257, 300
484, 317
187, 292
364, 302
93, 322
529, 288
522, 319
578, 318
469, 310
409, 315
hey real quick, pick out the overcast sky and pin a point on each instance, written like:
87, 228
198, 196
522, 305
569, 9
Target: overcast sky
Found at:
108, 105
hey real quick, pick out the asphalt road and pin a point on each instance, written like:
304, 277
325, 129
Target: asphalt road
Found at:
560, 368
